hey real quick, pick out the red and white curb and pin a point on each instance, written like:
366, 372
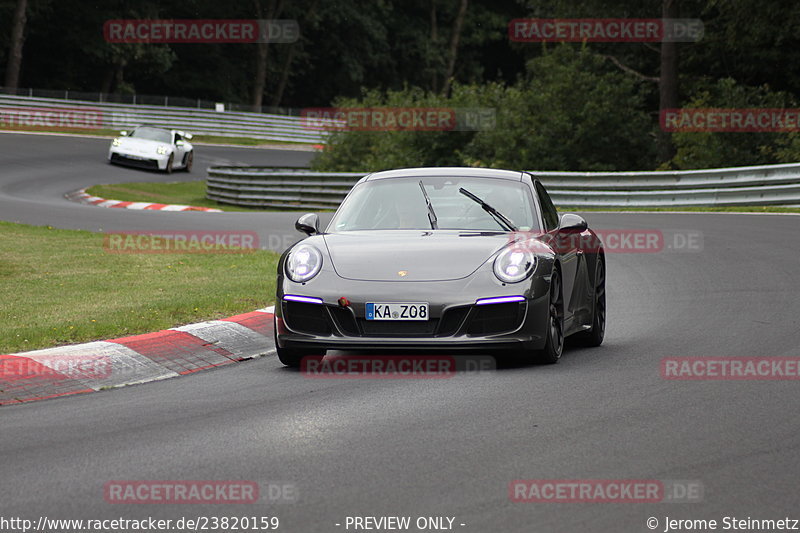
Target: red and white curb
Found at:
93, 366
81, 196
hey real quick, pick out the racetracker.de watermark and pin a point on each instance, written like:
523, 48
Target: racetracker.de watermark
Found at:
620, 241
605, 491
55, 366
608, 30
398, 118
745, 120
393, 366
195, 31
198, 492
180, 242
85, 118
731, 368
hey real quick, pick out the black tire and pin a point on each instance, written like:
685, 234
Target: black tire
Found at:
293, 357
594, 336
554, 345
189, 161
290, 358
170, 162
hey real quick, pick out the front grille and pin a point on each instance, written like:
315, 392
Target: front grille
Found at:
493, 319
306, 318
143, 163
322, 320
398, 328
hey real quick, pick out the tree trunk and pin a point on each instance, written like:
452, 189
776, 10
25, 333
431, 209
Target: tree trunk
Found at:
108, 79
287, 64
261, 75
434, 47
668, 82
276, 100
119, 76
15, 50
262, 57
454, 38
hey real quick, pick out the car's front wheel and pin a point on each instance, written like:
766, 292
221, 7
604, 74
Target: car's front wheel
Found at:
554, 344
170, 162
594, 336
289, 357
292, 357
554, 333
189, 161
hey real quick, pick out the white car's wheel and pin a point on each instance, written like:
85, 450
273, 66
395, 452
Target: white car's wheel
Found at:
189, 158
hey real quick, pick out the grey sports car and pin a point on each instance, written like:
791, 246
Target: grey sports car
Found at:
442, 259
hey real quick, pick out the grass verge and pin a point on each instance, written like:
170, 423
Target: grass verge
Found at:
63, 287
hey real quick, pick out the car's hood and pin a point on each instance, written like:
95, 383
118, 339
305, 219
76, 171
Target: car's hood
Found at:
140, 145
422, 255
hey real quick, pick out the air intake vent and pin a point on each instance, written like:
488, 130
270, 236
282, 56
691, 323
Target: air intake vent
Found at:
306, 318
494, 319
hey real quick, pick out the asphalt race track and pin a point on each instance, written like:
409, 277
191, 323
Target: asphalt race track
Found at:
437, 447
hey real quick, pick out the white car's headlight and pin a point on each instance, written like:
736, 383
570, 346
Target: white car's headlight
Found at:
162, 150
303, 263
116, 142
514, 264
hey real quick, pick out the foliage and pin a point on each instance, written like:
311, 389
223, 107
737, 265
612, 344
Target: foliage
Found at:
591, 106
569, 113
720, 149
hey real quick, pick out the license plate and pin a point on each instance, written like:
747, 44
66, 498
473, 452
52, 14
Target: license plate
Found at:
397, 311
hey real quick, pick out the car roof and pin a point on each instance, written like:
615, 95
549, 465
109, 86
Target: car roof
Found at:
154, 127
445, 172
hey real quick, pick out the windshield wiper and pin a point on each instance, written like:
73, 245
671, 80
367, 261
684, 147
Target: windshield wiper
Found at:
501, 219
431, 213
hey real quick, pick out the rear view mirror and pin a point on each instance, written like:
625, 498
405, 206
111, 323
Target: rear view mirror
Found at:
124, 133
572, 223
308, 224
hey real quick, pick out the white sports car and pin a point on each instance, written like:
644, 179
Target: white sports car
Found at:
154, 148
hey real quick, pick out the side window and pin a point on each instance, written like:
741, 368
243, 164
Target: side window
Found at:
549, 213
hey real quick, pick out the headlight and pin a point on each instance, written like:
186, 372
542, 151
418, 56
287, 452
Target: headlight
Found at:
116, 142
514, 264
303, 263
162, 150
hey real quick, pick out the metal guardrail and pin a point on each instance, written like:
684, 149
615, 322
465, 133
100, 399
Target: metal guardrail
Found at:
761, 185
142, 99
286, 187
50, 113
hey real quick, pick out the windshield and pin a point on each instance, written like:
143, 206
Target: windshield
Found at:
152, 134
398, 203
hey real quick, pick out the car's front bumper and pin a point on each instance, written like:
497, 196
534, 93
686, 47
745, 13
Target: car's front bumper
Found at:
150, 161
456, 322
